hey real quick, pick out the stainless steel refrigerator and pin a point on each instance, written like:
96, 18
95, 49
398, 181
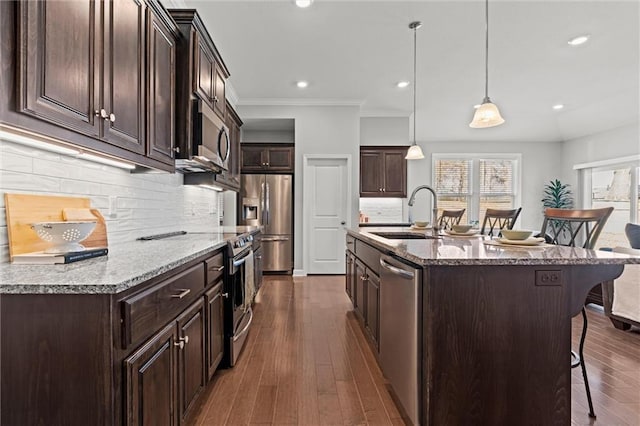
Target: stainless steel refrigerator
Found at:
267, 200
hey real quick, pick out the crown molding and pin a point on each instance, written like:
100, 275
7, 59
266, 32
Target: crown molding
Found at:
299, 102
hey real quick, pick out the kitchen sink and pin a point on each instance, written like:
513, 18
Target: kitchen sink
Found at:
404, 235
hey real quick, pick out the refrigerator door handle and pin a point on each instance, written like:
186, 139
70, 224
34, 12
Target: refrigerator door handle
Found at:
262, 204
268, 209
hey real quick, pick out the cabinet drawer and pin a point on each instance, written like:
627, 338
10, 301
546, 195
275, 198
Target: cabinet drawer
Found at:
369, 255
147, 311
215, 268
351, 244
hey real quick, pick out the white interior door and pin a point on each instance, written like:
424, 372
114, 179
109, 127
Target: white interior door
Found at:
327, 213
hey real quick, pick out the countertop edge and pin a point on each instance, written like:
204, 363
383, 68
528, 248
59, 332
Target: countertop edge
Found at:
381, 244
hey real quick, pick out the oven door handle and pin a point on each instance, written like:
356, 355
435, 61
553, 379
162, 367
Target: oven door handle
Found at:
246, 327
240, 261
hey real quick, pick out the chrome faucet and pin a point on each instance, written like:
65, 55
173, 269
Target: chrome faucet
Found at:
434, 216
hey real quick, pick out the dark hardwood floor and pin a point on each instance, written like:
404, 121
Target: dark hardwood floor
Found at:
307, 362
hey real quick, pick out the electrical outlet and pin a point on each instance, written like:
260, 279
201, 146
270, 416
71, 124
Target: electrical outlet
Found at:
113, 207
548, 278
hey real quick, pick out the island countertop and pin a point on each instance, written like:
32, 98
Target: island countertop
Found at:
445, 250
126, 265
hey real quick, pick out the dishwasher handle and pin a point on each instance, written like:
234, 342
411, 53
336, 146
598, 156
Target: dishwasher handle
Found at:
395, 270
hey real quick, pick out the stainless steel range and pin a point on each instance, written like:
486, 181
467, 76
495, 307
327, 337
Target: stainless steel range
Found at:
239, 292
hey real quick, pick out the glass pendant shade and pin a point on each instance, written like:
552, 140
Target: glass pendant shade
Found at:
414, 152
486, 115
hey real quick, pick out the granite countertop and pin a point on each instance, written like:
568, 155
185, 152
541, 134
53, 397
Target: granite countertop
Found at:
450, 251
126, 265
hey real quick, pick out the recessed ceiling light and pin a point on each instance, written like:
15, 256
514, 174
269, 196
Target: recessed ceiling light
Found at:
403, 84
303, 3
577, 41
302, 84
558, 106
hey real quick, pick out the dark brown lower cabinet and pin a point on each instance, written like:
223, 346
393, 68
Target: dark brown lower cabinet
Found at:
359, 302
373, 306
349, 275
215, 330
191, 356
151, 381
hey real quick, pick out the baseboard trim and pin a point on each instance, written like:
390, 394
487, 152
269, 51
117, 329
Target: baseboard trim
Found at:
299, 273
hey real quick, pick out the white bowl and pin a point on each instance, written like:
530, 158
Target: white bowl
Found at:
421, 223
64, 236
516, 234
461, 229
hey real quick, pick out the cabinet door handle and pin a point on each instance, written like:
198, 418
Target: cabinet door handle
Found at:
112, 117
183, 293
215, 99
102, 114
225, 295
218, 269
182, 341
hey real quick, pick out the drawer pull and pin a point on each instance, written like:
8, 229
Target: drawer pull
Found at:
183, 293
218, 269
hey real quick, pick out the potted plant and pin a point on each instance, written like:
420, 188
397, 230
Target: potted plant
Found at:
557, 195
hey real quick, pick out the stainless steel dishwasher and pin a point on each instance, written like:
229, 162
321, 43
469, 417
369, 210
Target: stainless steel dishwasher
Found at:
400, 350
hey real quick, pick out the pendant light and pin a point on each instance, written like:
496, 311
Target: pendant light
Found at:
414, 152
487, 114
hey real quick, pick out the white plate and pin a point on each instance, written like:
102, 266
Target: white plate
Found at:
531, 241
469, 233
420, 227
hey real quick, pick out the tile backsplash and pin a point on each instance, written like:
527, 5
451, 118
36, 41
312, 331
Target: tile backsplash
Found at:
133, 205
382, 210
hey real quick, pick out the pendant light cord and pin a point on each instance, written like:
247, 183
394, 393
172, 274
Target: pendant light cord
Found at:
415, 29
486, 52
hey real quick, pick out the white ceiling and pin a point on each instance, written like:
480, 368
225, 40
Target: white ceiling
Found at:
353, 52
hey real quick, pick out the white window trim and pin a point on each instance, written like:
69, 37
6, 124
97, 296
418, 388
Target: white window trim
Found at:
474, 187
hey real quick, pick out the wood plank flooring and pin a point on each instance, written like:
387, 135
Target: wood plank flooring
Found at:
307, 362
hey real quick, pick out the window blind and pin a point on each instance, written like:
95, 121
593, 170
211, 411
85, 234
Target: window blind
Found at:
452, 176
496, 177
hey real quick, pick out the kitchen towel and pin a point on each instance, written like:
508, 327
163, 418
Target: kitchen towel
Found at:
626, 289
249, 282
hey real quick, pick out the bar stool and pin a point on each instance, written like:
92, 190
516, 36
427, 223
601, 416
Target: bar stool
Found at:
450, 218
500, 219
576, 228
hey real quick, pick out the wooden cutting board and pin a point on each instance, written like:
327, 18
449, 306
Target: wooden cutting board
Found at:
24, 209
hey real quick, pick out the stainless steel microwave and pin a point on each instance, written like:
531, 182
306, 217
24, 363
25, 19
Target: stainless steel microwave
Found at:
210, 138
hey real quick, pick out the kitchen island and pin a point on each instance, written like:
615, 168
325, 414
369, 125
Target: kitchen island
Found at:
129, 338
493, 323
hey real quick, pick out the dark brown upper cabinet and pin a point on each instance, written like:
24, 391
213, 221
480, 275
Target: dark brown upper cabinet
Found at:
161, 107
97, 69
265, 158
383, 171
201, 74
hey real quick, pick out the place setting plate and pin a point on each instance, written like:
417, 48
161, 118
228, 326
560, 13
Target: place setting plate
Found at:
469, 233
531, 242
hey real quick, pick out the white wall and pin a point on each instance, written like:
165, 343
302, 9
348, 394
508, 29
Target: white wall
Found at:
318, 130
620, 142
146, 203
268, 136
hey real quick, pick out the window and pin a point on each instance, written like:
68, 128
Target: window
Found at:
476, 182
614, 186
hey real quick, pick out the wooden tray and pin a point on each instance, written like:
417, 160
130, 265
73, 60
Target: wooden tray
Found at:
25, 209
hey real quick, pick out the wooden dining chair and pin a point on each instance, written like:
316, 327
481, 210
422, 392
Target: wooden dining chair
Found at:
499, 219
450, 218
576, 228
